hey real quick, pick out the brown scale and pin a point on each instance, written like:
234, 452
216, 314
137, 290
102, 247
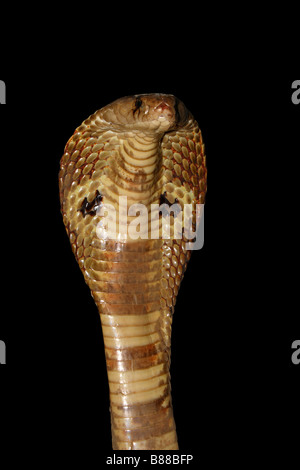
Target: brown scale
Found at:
134, 283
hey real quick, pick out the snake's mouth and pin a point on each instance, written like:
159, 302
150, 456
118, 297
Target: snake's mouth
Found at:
154, 112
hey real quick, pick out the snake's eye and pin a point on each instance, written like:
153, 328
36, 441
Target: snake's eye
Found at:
138, 103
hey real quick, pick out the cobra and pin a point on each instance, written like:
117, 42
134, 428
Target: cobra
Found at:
148, 148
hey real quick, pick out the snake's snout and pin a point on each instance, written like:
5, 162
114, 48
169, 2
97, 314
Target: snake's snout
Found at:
165, 110
163, 106
163, 114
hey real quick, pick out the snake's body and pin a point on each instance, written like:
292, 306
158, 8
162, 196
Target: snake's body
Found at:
145, 148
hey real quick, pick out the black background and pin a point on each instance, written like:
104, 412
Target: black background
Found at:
233, 382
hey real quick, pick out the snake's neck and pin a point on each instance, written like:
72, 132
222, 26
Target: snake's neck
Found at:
134, 170
140, 156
